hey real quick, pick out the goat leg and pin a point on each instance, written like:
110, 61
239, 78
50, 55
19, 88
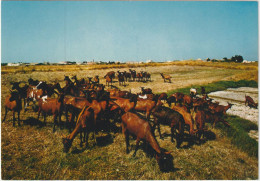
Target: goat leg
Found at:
13, 118
18, 115
44, 117
6, 110
159, 130
54, 122
125, 132
137, 145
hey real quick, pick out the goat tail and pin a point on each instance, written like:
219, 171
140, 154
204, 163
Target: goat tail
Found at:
82, 111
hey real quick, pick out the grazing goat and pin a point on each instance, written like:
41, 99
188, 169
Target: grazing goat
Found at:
250, 102
219, 109
51, 106
163, 96
147, 106
188, 102
13, 103
176, 98
187, 118
218, 112
166, 77
85, 118
200, 119
167, 116
134, 125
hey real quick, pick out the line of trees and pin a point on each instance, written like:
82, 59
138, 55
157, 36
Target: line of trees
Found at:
236, 58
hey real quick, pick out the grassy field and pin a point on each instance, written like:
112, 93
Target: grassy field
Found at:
32, 151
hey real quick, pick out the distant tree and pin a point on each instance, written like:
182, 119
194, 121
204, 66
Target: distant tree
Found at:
208, 59
233, 59
239, 58
225, 59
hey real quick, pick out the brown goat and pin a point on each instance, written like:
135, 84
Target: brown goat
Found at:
22, 90
187, 101
85, 118
219, 109
121, 78
51, 106
133, 74
176, 98
200, 120
250, 102
108, 80
187, 118
13, 103
147, 106
146, 91
111, 74
33, 94
163, 96
167, 116
125, 104
134, 125
166, 77
76, 104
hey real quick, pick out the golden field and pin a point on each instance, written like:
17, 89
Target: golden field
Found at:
34, 152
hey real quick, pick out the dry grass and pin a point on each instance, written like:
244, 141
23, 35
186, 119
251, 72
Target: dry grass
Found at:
33, 152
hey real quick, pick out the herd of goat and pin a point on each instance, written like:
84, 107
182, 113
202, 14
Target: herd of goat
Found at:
88, 106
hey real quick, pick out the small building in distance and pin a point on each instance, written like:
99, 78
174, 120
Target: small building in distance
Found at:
149, 61
13, 64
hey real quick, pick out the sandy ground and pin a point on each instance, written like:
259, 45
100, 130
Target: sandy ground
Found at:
237, 97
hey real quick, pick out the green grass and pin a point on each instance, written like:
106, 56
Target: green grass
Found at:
238, 131
217, 86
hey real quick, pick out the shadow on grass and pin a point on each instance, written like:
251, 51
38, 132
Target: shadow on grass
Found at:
33, 122
104, 140
101, 142
168, 165
192, 140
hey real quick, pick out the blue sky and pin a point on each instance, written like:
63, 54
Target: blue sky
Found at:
127, 30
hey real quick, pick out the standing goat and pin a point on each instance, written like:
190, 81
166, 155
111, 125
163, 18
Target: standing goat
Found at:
13, 103
166, 77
